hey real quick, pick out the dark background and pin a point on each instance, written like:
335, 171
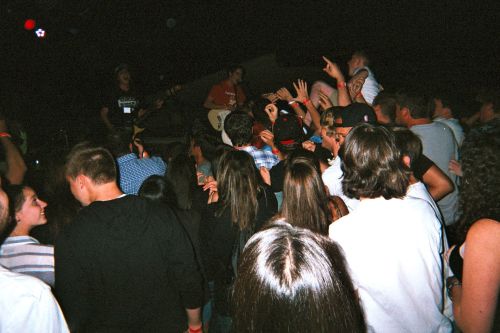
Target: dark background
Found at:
57, 81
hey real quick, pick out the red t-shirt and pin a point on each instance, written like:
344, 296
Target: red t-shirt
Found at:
224, 93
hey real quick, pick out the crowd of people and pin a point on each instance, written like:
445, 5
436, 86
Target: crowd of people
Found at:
339, 208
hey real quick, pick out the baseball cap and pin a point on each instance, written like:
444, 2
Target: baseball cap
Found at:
356, 113
287, 130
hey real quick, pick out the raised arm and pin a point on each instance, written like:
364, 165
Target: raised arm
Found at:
333, 71
16, 168
303, 96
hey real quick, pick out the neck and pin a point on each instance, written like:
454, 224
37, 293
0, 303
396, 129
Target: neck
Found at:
198, 159
124, 86
20, 230
105, 192
419, 121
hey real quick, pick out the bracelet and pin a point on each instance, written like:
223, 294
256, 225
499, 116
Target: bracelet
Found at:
341, 85
195, 330
275, 151
292, 102
306, 101
5, 135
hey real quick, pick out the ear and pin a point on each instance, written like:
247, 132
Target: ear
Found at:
81, 181
407, 161
405, 113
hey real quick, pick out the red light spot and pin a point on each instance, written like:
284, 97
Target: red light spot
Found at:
29, 24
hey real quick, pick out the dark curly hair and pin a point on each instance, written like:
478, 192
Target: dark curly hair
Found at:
372, 165
480, 186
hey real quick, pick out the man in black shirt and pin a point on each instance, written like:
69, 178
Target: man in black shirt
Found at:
123, 264
121, 106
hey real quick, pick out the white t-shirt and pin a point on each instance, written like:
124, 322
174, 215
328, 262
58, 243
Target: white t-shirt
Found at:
27, 305
419, 191
392, 248
332, 178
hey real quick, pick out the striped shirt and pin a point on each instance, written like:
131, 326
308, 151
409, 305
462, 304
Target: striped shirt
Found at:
24, 254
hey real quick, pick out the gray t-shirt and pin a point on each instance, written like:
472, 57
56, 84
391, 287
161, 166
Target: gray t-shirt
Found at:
440, 146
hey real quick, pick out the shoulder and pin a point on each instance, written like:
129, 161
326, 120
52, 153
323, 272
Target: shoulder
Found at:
21, 285
484, 231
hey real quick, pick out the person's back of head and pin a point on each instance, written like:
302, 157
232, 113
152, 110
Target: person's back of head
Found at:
238, 127
408, 143
446, 105
385, 106
288, 133
417, 105
96, 163
305, 202
372, 165
239, 184
181, 174
291, 279
156, 189
480, 186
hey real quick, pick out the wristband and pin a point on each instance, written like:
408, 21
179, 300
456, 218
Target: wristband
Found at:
306, 101
292, 102
341, 85
5, 135
275, 151
194, 330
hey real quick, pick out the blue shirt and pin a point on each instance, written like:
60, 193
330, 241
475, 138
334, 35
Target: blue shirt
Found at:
261, 157
134, 171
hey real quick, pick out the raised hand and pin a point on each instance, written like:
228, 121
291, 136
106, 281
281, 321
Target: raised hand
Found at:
324, 100
309, 145
301, 89
333, 70
284, 95
272, 112
271, 97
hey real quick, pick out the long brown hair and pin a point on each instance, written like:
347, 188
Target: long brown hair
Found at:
305, 202
239, 185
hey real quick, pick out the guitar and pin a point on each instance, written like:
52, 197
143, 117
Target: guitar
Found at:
216, 118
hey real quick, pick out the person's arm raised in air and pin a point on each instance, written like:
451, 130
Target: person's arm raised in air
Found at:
333, 71
16, 168
475, 301
285, 95
303, 96
437, 182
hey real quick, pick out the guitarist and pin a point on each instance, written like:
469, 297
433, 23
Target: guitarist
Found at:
227, 94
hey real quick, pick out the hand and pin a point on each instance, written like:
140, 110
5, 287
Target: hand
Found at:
272, 112
309, 145
301, 89
455, 167
333, 70
213, 195
268, 137
266, 176
271, 97
324, 100
284, 95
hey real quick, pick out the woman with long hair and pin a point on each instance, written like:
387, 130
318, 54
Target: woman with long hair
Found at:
305, 200
20, 252
294, 280
241, 204
476, 261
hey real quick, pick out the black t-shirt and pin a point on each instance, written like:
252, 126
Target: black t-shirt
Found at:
421, 165
123, 107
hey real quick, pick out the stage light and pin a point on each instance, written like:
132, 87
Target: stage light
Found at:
29, 24
40, 33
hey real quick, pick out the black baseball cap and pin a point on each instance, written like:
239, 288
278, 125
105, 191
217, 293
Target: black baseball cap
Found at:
356, 113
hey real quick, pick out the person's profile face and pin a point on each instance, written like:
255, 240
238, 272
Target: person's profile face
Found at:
341, 133
237, 75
